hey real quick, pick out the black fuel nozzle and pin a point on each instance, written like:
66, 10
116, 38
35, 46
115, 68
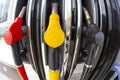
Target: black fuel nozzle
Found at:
94, 38
93, 32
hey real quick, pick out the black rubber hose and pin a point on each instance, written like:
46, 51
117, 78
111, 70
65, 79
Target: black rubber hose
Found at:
106, 62
16, 53
53, 59
108, 67
35, 36
89, 62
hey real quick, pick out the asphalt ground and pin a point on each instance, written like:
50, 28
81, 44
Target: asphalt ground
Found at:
7, 65
8, 72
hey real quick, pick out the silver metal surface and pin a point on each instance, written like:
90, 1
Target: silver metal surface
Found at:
54, 8
88, 66
67, 17
86, 13
78, 35
42, 26
8, 72
22, 12
29, 28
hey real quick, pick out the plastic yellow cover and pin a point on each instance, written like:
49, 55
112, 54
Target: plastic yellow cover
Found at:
54, 75
54, 36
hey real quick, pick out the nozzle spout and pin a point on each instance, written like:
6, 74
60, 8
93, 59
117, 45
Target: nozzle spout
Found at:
87, 16
54, 8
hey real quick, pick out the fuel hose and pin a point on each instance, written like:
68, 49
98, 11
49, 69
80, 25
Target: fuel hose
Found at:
54, 38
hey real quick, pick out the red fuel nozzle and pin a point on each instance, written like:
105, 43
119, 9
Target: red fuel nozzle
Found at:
14, 32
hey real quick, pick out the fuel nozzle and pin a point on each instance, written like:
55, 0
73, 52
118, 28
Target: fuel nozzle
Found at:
94, 38
54, 35
93, 32
12, 37
14, 32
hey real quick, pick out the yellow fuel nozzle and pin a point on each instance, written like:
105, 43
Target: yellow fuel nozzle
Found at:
54, 35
